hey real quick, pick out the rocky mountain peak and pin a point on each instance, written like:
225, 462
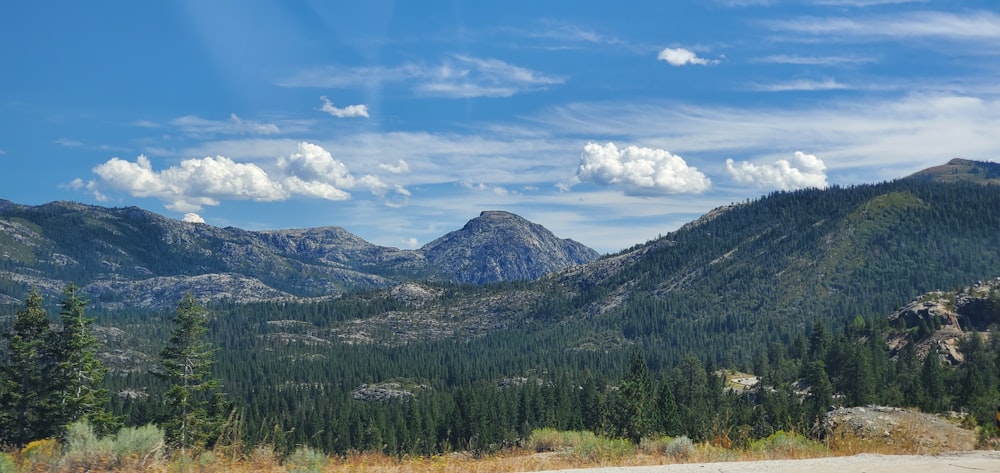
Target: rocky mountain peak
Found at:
499, 246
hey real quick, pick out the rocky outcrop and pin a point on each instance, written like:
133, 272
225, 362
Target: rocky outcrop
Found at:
937, 321
892, 425
386, 392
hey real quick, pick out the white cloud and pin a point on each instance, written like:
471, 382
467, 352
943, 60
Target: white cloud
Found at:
411, 243
639, 171
349, 111
890, 136
192, 217
195, 125
683, 57
814, 60
484, 187
457, 76
970, 25
804, 85
310, 172
804, 170
68, 143
863, 3
399, 168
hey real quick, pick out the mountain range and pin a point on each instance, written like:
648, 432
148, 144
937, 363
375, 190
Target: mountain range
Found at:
721, 287
129, 257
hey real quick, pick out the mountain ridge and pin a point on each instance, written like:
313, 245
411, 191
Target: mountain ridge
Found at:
115, 254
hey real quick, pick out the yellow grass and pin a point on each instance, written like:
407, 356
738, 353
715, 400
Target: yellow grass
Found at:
547, 450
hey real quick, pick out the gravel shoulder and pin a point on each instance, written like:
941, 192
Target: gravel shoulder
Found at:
966, 462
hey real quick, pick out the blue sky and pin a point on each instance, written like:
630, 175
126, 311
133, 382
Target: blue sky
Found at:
607, 122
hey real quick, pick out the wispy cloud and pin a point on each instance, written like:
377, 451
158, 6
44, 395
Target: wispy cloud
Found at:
349, 111
863, 3
981, 25
68, 143
803, 85
814, 60
457, 76
683, 57
893, 135
196, 125
568, 35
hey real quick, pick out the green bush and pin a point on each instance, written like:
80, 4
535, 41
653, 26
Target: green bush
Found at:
546, 440
7, 464
84, 450
139, 446
305, 460
592, 448
783, 444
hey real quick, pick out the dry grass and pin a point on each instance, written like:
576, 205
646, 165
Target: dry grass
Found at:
911, 433
546, 450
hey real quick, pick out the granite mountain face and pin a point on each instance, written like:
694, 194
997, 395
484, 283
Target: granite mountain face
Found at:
131, 257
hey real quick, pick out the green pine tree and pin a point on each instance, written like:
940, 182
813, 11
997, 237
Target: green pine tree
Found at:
27, 405
194, 401
635, 410
80, 374
820, 391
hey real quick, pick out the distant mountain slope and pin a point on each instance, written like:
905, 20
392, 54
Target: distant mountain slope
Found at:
962, 170
502, 246
123, 255
739, 278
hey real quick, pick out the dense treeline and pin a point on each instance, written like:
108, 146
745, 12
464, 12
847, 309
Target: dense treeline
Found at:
293, 395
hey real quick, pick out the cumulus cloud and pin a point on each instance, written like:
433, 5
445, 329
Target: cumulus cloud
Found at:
192, 217
639, 171
803, 170
309, 172
350, 111
683, 57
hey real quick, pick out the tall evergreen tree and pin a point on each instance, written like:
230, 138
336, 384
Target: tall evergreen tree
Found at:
194, 401
635, 407
820, 391
80, 373
932, 388
27, 402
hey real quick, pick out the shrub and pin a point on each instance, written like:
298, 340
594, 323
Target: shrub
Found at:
546, 440
84, 450
7, 464
783, 444
594, 449
680, 448
263, 458
305, 460
139, 447
40, 455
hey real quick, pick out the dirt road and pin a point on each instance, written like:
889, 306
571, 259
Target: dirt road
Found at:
965, 462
